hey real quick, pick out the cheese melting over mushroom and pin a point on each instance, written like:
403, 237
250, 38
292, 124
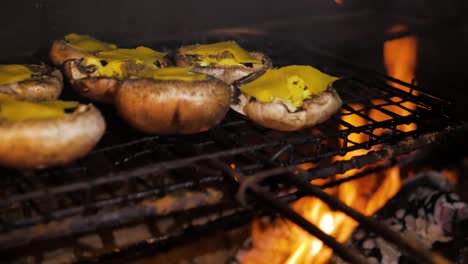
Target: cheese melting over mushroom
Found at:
142, 54
16, 111
174, 73
224, 53
14, 73
122, 63
87, 43
290, 85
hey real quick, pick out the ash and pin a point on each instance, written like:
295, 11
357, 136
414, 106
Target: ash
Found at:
425, 208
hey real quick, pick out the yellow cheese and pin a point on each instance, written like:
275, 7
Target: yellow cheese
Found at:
14, 73
60, 104
208, 53
143, 54
87, 43
209, 61
174, 73
291, 84
113, 69
123, 63
13, 110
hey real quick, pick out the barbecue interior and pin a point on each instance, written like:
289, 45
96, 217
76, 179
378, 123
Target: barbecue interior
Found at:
132, 184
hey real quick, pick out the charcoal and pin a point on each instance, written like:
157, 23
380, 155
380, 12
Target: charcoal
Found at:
426, 208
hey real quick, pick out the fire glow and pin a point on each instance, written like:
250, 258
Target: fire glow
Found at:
284, 242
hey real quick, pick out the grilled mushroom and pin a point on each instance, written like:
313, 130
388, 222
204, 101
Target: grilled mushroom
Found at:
99, 77
300, 106
173, 105
30, 82
86, 81
226, 61
75, 46
276, 115
48, 140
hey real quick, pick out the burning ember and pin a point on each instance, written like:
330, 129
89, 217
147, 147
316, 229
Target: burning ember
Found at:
281, 241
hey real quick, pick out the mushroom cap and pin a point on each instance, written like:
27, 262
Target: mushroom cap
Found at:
41, 143
100, 89
46, 87
275, 115
173, 107
87, 83
226, 73
62, 51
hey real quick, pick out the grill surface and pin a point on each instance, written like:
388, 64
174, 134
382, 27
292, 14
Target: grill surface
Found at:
127, 168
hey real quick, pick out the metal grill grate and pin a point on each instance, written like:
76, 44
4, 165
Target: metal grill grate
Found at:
127, 169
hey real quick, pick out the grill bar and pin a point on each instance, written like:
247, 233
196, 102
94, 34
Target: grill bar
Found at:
85, 223
371, 157
106, 203
125, 175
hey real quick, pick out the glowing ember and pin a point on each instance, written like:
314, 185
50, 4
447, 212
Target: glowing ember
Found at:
451, 175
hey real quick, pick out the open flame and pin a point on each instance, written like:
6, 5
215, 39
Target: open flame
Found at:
284, 242
400, 56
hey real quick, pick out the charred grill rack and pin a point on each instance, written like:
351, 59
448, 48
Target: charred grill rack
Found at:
254, 193
129, 176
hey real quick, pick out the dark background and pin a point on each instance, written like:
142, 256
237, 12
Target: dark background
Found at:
29, 24
354, 30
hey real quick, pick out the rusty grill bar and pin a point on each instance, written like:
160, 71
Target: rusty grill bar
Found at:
110, 186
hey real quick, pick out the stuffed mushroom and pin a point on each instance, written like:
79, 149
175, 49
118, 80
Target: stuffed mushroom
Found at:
75, 46
30, 82
44, 134
226, 61
99, 76
287, 99
173, 100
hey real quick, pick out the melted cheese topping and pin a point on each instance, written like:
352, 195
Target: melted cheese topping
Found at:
143, 54
113, 69
16, 111
175, 73
14, 73
123, 63
87, 43
209, 53
291, 85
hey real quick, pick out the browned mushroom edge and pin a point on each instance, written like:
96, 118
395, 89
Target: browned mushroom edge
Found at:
276, 115
226, 73
47, 84
41, 143
173, 107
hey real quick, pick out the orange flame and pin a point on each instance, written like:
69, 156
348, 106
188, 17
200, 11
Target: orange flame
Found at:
284, 242
400, 56
451, 175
